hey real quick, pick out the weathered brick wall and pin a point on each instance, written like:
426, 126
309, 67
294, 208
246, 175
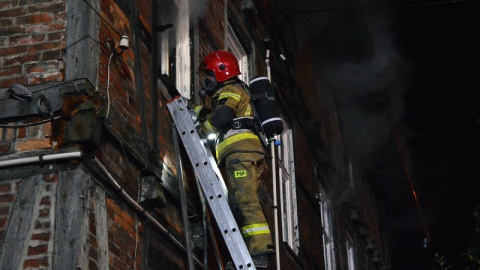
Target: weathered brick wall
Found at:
21, 139
124, 240
35, 245
32, 40
39, 252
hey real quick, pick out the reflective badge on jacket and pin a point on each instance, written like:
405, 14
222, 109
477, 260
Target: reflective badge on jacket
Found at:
240, 174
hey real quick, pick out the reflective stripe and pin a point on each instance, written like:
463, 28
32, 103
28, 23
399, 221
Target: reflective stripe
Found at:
198, 109
233, 139
229, 95
248, 111
271, 120
208, 127
254, 229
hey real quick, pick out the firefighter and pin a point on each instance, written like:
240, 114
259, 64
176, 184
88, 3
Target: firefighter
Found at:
237, 147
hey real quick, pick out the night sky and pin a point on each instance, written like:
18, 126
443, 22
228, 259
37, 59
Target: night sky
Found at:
406, 79
441, 42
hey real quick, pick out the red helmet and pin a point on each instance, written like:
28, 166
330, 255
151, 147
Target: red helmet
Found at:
223, 64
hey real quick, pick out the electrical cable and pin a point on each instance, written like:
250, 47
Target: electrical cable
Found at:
30, 124
108, 84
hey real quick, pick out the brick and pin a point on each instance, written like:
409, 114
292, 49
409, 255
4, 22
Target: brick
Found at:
14, 12
35, 263
6, 22
26, 39
41, 67
42, 224
46, 8
56, 36
6, 5
37, 250
22, 133
46, 77
5, 148
21, 59
45, 46
45, 201
41, 236
44, 212
4, 188
6, 83
7, 198
51, 177
3, 222
35, 19
45, 28
14, 50
11, 31
34, 131
47, 129
4, 210
33, 144
9, 134
128, 218
53, 55
10, 71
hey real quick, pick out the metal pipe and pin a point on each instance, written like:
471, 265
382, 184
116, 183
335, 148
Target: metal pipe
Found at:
275, 206
27, 160
274, 178
183, 198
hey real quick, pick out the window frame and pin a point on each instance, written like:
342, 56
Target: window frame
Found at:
288, 194
174, 45
235, 47
326, 213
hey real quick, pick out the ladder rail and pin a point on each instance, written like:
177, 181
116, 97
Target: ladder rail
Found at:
210, 183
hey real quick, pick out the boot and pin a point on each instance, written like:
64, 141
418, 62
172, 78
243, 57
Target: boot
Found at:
260, 261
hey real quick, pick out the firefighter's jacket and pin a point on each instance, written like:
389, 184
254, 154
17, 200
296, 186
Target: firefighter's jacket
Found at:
241, 151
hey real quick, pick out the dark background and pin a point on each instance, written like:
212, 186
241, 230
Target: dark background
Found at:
405, 76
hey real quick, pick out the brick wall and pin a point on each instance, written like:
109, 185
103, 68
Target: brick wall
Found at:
21, 139
124, 240
36, 250
32, 41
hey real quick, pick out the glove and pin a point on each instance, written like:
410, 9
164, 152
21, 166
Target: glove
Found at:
194, 116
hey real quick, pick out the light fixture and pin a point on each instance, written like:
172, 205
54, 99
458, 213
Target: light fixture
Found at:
124, 43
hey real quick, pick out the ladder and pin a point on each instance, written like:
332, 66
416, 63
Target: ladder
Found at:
205, 170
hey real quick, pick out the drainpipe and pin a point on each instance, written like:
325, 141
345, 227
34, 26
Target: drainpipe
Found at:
110, 180
273, 143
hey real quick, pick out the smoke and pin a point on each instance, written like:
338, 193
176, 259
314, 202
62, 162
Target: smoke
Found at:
369, 89
198, 8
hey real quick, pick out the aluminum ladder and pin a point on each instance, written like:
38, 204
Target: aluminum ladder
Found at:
209, 180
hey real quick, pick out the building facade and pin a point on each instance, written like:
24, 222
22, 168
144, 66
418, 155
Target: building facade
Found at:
90, 177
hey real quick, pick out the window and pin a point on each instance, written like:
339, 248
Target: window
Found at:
327, 230
235, 47
350, 253
288, 199
174, 43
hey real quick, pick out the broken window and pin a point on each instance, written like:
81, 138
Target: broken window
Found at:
327, 230
350, 253
288, 199
173, 44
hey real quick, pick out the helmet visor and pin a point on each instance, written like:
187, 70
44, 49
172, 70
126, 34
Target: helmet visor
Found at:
207, 80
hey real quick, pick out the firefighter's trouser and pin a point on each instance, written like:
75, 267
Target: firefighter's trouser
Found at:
244, 171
